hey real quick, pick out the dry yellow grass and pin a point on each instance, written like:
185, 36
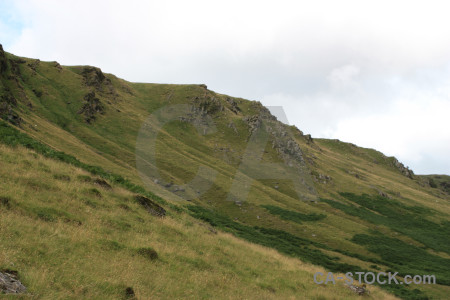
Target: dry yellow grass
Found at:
61, 259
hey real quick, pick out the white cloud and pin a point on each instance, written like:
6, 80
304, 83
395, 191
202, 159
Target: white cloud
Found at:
331, 64
343, 78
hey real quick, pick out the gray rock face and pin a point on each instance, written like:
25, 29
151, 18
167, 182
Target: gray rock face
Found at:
253, 122
234, 106
93, 76
404, 170
91, 107
9, 284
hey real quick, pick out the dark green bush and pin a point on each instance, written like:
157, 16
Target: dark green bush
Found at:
148, 253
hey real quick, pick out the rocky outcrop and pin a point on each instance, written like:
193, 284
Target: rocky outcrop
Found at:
10, 284
321, 178
34, 64
150, 206
233, 105
208, 105
3, 61
58, 66
15, 68
253, 122
91, 107
94, 77
359, 290
404, 170
7, 113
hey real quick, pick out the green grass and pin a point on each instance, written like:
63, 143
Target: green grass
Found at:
293, 246
406, 259
277, 239
293, 215
114, 250
408, 220
13, 137
106, 149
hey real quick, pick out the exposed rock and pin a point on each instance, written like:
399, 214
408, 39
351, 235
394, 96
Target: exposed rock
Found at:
404, 170
7, 102
357, 175
33, 65
91, 107
232, 126
254, 123
8, 99
58, 66
3, 61
93, 76
208, 105
102, 183
381, 193
322, 178
308, 138
360, 290
15, 69
10, 284
234, 107
150, 206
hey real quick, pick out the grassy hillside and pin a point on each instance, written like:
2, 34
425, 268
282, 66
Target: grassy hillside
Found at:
341, 207
70, 238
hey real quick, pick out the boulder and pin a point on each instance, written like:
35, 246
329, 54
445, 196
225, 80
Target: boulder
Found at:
150, 206
10, 284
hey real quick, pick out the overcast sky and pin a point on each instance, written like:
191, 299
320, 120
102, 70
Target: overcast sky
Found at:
374, 73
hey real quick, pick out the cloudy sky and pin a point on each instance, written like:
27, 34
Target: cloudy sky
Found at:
374, 73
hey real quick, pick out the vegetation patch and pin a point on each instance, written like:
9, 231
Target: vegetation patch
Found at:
5, 201
50, 214
148, 253
62, 177
293, 246
406, 259
111, 245
293, 215
94, 192
408, 220
84, 178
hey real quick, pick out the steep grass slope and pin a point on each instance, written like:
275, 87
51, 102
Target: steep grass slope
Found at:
70, 238
336, 206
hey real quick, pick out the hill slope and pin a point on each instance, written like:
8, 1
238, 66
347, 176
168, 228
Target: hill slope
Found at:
324, 202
